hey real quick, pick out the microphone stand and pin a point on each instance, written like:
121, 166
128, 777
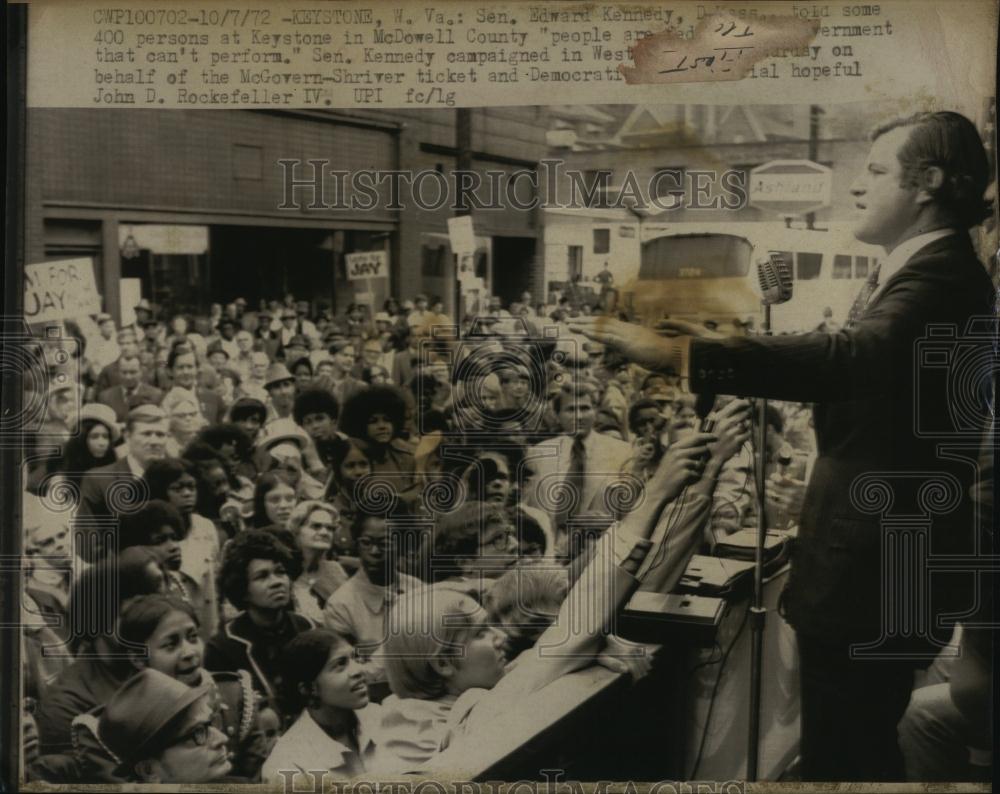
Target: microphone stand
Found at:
758, 613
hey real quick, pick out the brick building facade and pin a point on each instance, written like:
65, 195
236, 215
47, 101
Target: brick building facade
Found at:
193, 199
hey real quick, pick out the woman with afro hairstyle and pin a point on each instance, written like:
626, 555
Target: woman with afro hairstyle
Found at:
377, 415
257, 574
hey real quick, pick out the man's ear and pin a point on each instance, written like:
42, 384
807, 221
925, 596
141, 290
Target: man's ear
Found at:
930, 182
138, 662
148, 771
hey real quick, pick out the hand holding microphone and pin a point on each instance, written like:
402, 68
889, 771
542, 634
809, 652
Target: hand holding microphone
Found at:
732, 426
682, 465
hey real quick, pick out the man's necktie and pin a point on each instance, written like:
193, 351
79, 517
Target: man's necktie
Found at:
574, 482
867, 290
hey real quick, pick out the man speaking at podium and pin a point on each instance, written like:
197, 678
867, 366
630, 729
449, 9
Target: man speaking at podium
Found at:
920, 192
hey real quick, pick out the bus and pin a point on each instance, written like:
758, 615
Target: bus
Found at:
708, 271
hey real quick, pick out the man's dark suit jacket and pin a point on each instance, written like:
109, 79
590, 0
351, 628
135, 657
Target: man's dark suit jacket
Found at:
109, 376
866, 386
115, 398
94, 504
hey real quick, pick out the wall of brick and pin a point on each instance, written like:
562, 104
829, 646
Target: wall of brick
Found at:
221, 167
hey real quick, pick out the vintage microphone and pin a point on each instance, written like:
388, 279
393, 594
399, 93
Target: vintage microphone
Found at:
775, 287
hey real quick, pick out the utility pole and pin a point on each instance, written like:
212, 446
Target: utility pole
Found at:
815, 111
463, 162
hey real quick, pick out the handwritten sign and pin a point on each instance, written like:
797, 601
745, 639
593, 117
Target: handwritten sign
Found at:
370, 264
60, 290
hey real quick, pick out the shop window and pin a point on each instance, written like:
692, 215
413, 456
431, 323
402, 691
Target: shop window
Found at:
602, 241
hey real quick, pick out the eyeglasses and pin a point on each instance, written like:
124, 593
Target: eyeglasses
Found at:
197, 736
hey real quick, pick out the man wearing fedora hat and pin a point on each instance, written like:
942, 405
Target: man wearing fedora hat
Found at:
265, 339
142, 311
280, 386
161, 731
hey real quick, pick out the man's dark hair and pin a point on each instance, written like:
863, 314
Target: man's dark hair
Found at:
641, 404
253, 544
176, 352
315, 401
400, 510
952, 143
572, 394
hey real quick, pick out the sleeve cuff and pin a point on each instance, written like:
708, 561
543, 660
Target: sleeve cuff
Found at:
628, 550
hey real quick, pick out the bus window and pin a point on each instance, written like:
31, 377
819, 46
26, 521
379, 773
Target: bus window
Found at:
860, 267
807, 265
696, 256
841, 266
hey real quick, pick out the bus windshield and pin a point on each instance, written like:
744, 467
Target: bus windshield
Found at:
696, 256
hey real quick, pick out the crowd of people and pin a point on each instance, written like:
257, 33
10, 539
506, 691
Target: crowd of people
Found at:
262, 540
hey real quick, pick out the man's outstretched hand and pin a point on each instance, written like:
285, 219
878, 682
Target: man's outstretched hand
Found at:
635, 342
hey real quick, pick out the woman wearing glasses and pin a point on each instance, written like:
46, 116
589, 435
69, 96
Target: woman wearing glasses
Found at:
358, 610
